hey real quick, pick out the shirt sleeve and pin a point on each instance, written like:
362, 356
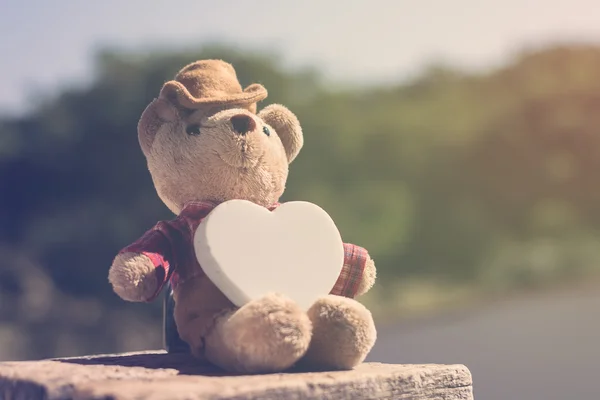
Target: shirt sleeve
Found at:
157, 245
355, 260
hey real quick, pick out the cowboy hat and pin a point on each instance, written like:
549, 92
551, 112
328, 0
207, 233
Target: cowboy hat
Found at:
210, 82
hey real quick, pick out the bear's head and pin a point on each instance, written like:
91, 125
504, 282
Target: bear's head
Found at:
204, 141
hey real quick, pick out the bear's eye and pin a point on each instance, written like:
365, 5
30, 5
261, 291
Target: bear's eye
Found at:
266, 131
193, 130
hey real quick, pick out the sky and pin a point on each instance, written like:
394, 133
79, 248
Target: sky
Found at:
46, 44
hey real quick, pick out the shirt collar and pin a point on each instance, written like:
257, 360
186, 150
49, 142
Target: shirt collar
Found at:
208, 205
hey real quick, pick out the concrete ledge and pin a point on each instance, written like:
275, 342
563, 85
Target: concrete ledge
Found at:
158, 376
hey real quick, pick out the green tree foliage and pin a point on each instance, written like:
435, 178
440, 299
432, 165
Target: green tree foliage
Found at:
454, 177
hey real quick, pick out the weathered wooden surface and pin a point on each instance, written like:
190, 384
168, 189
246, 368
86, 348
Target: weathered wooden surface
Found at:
158, 376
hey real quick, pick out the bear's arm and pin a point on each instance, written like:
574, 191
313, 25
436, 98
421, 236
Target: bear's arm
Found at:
358, 272
141, 269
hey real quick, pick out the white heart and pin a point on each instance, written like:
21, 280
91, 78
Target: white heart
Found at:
248, 251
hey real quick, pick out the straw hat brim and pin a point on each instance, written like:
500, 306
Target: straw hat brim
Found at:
175, 90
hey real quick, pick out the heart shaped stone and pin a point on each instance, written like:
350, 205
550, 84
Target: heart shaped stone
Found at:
248, 251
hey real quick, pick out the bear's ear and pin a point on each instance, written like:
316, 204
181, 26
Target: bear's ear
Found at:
157, 113
286, 126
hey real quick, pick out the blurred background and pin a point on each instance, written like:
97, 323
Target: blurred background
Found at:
458, 141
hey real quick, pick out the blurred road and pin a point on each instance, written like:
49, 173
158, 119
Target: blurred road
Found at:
542, 348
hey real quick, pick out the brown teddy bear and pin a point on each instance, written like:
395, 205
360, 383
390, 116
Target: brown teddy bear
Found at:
205, 144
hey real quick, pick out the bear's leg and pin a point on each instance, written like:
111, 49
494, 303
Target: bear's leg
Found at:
197, 303
264, 336
343, 334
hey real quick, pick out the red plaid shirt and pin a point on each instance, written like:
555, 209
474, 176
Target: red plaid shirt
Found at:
169, 245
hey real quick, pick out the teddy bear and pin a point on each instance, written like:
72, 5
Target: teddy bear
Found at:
205, 143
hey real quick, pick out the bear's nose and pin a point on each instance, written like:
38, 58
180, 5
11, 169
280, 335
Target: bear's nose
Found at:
242, 123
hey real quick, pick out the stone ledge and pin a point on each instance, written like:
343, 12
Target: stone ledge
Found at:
161, 376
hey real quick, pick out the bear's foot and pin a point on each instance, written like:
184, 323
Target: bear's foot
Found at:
343, 334
264, 336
